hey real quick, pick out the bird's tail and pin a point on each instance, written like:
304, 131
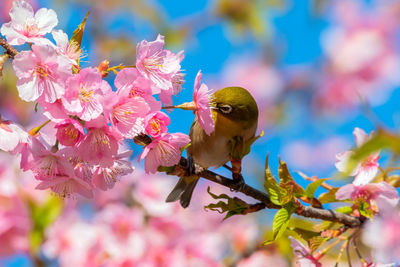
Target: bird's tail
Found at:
183, 191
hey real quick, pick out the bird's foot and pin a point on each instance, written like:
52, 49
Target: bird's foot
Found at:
239, 182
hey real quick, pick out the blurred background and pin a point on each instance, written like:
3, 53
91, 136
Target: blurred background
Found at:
317, 69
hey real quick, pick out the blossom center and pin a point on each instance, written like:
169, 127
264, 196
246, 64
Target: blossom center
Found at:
135, 92
85, 95
71, 132
154, 62
31, 30
42, 71
155, 125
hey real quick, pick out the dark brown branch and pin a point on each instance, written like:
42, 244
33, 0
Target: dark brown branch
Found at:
309, 212
11, 51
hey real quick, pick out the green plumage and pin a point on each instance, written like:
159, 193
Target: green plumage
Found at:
233, 135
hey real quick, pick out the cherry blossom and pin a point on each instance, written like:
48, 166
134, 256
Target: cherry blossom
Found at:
27, 26
64, 47
69, 132
41, 74
163, 151
382, 194
11, 135
303, 254
366, 170
158, 64
201, 105
386, 226
156, 123
84, 93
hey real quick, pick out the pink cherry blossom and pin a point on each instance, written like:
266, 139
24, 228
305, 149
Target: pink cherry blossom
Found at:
99, 145
163, 151
11, 135
303, 254
55, 111
156, 63
41, 74
64, 47
150, 189
84, 93
382, 194
67, 186
45, 164
125, 113
130, 83
69, 132
201, 99
26, 26
14, 226
382, 234
156, 123
362, 61
105, 178
366, 170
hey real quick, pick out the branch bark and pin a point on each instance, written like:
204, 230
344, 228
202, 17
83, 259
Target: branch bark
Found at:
11, 51
305, 211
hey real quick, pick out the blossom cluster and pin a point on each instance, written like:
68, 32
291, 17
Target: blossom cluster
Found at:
362, 64
89, 119
121, 233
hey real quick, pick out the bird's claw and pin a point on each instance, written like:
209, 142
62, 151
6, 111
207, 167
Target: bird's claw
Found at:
239, 182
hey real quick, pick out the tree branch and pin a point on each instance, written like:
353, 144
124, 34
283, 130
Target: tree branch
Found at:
11, 51
305, 211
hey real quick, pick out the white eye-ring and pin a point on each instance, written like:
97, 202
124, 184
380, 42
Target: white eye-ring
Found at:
225, 109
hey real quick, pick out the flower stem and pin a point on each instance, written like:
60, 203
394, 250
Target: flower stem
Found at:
35, 130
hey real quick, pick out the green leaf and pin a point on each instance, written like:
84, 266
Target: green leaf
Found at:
276, 193
345, 209
365, 210
43, 216
232, 206
77, 35
281, 222
283, 172
305, 234
329, 196
287, 182
311, 188
76, 40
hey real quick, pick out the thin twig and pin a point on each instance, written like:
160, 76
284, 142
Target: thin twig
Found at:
310, 212
11, 51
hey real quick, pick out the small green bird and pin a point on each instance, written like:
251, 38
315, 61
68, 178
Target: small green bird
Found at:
235, 114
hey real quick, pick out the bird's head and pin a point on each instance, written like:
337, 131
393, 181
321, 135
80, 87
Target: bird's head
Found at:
235, 104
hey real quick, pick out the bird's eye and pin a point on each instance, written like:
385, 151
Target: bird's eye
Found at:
225, 109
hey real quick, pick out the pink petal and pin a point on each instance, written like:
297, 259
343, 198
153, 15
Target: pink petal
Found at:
360, 136
365, 175
206, 121
197, 80
28, 89
346, 191
46, 20
20, 12
342, 160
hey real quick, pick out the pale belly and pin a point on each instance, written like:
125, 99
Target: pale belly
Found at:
212, 151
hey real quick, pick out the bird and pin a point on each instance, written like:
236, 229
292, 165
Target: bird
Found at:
235, 115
